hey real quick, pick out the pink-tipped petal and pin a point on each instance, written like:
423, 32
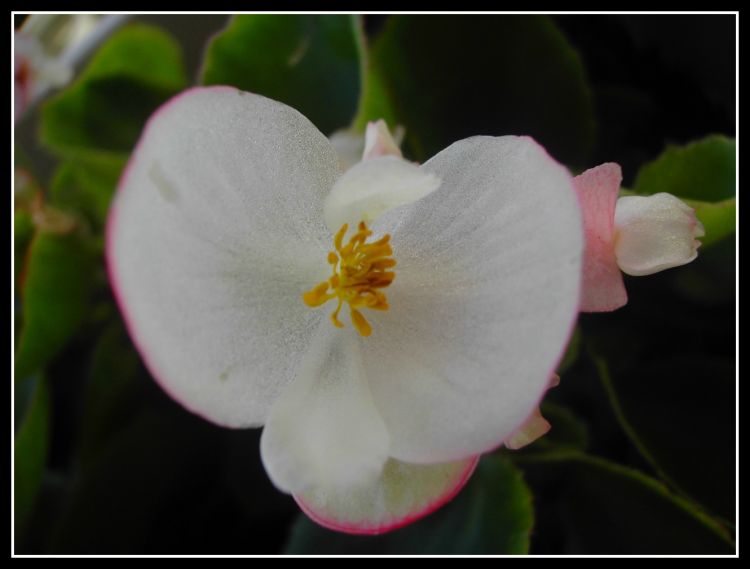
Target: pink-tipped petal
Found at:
486, 294
379, 142
402, 494
215, 231
603, 288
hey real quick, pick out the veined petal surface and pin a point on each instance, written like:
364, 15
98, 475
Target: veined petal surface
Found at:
484, 301
216, 229
324, 429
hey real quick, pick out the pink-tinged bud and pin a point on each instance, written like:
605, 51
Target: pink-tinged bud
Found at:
653, 233
379, 142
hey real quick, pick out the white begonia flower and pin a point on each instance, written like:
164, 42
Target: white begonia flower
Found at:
653, 233
450, 310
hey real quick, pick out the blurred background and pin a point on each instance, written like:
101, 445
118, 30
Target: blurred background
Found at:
641, 458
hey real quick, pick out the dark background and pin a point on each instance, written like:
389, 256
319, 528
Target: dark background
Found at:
656, 80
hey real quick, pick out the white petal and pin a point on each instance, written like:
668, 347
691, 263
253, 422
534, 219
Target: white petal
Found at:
379, 142
653, 233
374, 187
324, 430
484, 300
349, 146
214, 234
402, 494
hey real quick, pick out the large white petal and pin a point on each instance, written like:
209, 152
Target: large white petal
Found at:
324, 430
485, 296
374, 186
215, 232
402, 494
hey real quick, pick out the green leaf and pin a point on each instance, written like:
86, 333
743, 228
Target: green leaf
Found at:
376, 101
609, 509
160, 462
491, 515
719, 219
310, 62
703, 175
87, 186
453, 77
677, 410
30, 453
567, 432
55, 297
703, 171
23, 232
135, 71
113, 392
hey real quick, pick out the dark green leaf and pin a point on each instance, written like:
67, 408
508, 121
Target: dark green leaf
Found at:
158, 463
376, 102
703, 170
30, 453
491, 515
678, 411
135, 71
310, 62
55, 295
719, 219
453, 77
609, 509
113, 393
567, 432
711, 278
703, 175
87, 186
23, 232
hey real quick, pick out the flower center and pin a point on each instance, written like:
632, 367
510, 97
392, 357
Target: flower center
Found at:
360, 270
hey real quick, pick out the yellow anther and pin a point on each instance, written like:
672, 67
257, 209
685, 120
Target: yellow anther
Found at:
359, 270
360, 323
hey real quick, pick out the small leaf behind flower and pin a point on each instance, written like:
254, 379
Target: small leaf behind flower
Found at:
310, 62
447, 78
104, 110
30, 453
57, 285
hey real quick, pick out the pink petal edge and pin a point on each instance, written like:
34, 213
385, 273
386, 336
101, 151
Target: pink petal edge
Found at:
603, 288
109, 254
355, 529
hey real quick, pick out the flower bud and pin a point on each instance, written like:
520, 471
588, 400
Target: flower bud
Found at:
653, 233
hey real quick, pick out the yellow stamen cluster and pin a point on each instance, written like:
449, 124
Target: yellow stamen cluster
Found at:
360, 270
